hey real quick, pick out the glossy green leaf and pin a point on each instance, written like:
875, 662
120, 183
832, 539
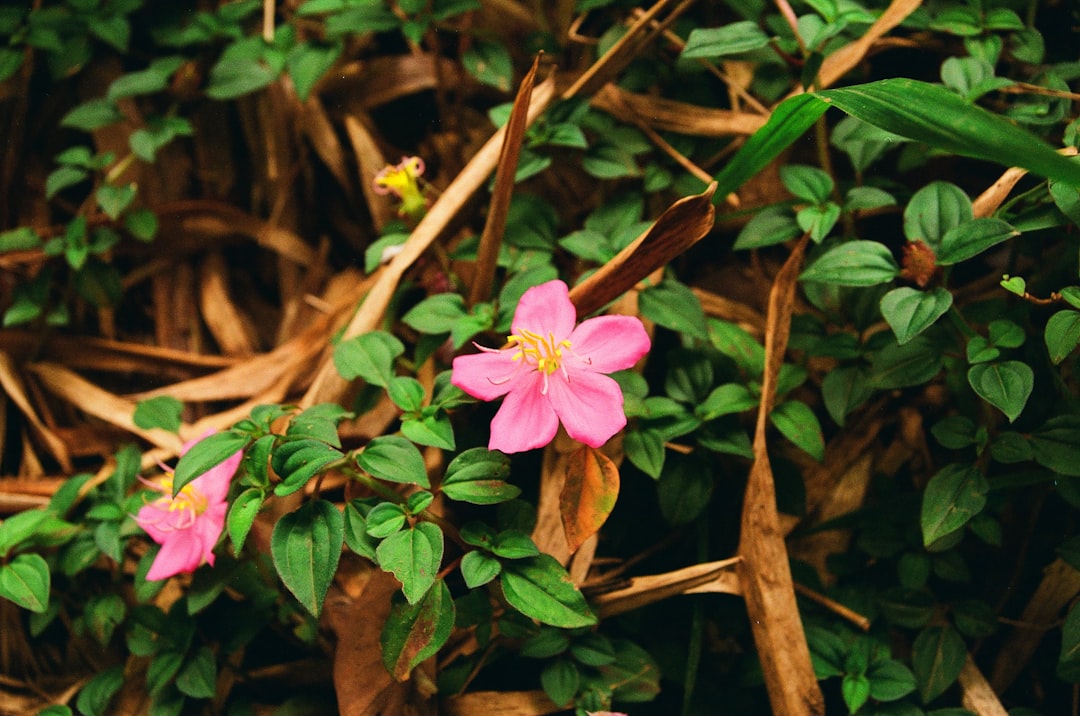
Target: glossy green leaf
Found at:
938, 655
934, 210
415, 632
909, 312
561, 681
356, 535
890, 680
1006, 385
540, 588
308, 62
95, 698
855, 690
306, 546
772, 225
26, 580
853, 263
1062, 334
972, 238
209, 452
913, 363
477, 476
413, 556
939, 117
369, 356
952, 497
242, 514
731, 39
478, 568
1056, 445
807, 183
797, 422
673, 305
395, 459
160, 412
297, 461
436, 314
432, 427
725, 400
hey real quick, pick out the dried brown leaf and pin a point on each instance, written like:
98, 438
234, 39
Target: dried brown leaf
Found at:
718, 577
669, 115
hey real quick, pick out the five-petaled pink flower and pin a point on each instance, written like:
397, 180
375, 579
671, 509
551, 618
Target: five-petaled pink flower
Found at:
554, 372
187, 526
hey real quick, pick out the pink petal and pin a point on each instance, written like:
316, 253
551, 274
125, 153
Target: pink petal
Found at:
610, 343
207, 529
177, 555
158, 521
546, 309
590, 406
526, 419
486, 375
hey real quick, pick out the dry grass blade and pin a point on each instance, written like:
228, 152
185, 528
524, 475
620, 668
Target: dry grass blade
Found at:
223, 318
1060, 585
500, 703
718, 577
488, 252
100, 403
682, 225
13, 386
843, 60
670, 115
765, 574
978, 696
369, 160
328, 385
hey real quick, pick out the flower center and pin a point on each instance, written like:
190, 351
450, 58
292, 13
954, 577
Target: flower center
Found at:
545, 353
189, 502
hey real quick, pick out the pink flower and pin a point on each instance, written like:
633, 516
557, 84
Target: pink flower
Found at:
554, 372
187, 526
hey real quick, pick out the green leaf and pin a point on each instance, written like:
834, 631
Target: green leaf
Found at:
356, 535
160, 412
297, 461
19, 239
952, 497
20, 528
477, 476
789, 121
673, 305
306, 545
645, 449
103, 613
384, 519
1006, 385
972, 238
807, 183
684, 489
938, 655
406, 392
141, 223
208, 453
198, 677
903, 366
855, 689
92, 114
369, 356
540, 588
1068, 666
772, 225
909, 312
25, 580
863, 198
490, 63
413, 556
154, 78
242, 514
818, 221
731, 39
561, 681
436, 314
96, 696
234, 77
853, 263
413, 633
394, 458
725, 400
890, 680
478, 568
797, 422
935, 210
433, 428
308, 62
1056, 445
939, 117
1062, 334
62, 178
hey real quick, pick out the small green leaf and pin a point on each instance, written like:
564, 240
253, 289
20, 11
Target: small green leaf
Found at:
561, 681
540, 588
96, 696
938, 655
855, 689
807, 183
198, 677
308, 62
92, 114
772, 225
19, 239
673, 305
394, 458
306, 546
725, 400
297, 461
62, 178
853, 263
890, 680
1062, 334
797, 422
1006, 385
160, 412
208, 453
406, 392
413, 556
909, 312
242, 514
415, 632
731, 39
141, 223
25, 580
356, 535
903, 366
477, 476
490, 63
972, 238
384, 519
952, 497
234, 77
433, 428
369, 356
436, 314
478, 568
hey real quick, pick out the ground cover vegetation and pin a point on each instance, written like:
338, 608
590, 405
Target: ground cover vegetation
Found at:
505, 356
